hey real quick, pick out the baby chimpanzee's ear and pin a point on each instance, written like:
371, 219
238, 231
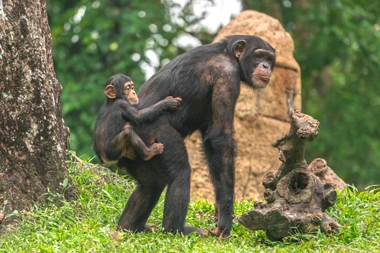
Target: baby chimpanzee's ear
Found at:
110, 92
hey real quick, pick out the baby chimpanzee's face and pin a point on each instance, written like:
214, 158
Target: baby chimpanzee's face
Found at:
130, 93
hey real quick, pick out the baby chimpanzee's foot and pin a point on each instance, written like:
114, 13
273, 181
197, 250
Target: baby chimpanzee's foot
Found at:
155, 149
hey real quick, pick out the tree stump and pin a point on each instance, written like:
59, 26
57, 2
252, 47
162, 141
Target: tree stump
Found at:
295, 197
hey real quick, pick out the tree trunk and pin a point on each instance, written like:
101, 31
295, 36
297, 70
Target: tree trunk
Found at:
33, 137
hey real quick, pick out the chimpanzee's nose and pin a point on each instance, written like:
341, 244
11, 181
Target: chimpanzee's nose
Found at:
265, 65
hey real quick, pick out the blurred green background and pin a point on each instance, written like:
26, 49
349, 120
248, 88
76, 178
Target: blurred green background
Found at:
337, 44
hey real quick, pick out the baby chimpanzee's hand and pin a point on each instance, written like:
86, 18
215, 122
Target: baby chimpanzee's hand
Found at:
173, 103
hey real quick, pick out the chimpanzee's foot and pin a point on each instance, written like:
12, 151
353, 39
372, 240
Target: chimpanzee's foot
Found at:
198, 231
155, 149
151, 228
218, 233
189, 230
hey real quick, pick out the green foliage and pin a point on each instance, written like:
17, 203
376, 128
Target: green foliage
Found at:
89, 224
336, 45
93, 40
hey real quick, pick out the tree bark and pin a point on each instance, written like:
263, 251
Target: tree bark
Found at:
33, 137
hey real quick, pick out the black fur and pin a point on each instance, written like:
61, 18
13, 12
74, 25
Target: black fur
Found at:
114, 136
207, 78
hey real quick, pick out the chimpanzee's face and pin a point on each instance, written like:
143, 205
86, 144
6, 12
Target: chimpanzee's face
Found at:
257, 59
263, 63
130, 93
257, 67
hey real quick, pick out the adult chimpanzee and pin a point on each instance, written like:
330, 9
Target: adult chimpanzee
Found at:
113, 135
207, 78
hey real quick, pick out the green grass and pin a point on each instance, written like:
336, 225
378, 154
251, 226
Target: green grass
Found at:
88, 224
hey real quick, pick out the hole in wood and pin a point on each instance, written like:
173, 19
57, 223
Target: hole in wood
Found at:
298, 182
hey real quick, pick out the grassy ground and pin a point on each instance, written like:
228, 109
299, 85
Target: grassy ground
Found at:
89, 224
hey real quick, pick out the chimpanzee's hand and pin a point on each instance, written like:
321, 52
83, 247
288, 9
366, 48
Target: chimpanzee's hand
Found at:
173, 103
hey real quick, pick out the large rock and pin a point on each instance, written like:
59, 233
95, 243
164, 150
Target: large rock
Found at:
261, 116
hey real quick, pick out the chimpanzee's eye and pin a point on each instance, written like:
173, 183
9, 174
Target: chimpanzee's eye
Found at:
270, 57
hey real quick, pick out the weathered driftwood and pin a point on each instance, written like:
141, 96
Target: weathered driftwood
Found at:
320, 168
295, 197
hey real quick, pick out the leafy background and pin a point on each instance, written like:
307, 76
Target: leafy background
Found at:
337, 46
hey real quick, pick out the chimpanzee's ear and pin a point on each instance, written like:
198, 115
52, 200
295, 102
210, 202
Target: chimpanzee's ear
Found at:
239, 48
110, 92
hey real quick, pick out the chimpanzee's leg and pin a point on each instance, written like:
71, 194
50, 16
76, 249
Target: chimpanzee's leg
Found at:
175, 164
220, 151
142, 201
128, 137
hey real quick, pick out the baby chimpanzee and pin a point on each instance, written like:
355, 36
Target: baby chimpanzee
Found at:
114, 136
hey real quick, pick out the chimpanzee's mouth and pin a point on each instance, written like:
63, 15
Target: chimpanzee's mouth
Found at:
261, 80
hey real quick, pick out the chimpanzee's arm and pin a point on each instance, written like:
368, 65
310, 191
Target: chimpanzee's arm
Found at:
132, 114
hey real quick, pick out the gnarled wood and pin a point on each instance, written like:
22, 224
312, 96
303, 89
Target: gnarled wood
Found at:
320, 168
296, 198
